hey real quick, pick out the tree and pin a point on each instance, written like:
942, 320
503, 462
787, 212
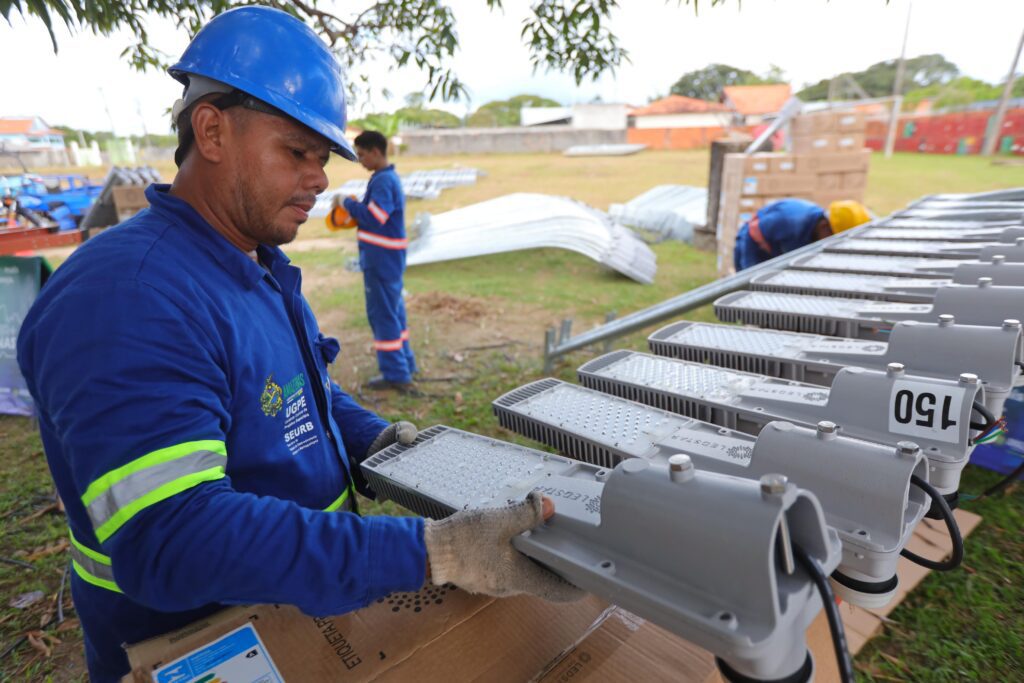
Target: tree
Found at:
878, 79
501, 113
562, 35
707, 83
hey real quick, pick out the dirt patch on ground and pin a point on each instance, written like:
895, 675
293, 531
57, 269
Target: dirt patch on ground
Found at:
460, 308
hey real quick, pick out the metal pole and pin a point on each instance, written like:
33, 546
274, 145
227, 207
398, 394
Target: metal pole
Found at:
997, 120
790, 109
686, 301
897, 87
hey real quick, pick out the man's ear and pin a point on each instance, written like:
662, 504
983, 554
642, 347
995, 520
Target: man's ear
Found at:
209, 129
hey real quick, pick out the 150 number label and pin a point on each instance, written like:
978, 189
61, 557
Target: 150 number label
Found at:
926, 410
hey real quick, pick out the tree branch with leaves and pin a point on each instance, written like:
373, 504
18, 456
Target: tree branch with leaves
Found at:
570, 36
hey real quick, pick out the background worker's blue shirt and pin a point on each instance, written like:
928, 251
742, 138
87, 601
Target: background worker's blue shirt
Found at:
380, 217
155, 342
786, 225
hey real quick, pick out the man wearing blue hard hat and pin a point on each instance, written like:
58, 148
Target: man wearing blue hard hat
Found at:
204, 455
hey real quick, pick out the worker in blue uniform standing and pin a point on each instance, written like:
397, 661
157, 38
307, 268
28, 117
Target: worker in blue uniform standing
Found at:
380, 218
203, 453
789, 224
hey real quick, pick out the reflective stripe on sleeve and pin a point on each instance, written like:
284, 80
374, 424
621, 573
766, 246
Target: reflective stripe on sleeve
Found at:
380, 241
378, 213
91, 566
122, 493
343, 501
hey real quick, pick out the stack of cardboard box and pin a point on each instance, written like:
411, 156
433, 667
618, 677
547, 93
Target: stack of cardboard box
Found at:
828, 163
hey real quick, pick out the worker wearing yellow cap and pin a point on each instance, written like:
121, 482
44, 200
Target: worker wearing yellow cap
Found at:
789, 224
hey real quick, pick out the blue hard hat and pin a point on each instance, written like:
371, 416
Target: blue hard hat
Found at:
277, 59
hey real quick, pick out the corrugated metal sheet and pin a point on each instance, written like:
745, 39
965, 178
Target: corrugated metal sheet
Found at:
667, 211
531, 221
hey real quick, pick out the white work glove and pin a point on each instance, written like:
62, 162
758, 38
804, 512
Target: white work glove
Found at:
473, 549
398, 432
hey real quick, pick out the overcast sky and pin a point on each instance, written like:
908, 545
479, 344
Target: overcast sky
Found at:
809, 39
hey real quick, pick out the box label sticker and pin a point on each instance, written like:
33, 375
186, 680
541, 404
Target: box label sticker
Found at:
238, 657
926, 410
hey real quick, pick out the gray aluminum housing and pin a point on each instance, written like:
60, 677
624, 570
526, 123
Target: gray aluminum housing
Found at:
963, 213
700, 557
866, 319
897, 266
894, 247
945, 224
860, 401
864, 487
1011, 195
942, 350
886, 287
850, 285
945, 232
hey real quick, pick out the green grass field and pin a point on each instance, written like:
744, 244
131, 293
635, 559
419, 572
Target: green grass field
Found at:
477, 327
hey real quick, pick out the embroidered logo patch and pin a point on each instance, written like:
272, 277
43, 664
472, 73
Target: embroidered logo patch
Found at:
271, 400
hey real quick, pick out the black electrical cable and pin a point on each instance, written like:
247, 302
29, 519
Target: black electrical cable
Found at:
1003, 483
990, 419
954, 531
835, 621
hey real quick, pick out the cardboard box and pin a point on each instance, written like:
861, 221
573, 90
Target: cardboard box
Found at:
748, 204
849, 142
829, 181
850, 122
624, 647
825, 197
821, 143
438, 634
856, 180
759, 163
783, 163
784, 183
844, 162
809, 125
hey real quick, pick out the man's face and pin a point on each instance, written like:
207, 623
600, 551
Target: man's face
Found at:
371, 159
278, 167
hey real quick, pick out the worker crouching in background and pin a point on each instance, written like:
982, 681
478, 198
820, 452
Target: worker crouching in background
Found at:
790, 224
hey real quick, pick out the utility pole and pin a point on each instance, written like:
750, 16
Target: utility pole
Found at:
996, 122
897, 87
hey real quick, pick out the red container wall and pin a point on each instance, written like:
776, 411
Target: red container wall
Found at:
954, 133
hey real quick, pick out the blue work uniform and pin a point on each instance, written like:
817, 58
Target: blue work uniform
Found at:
204, 456
777, 228
380, 217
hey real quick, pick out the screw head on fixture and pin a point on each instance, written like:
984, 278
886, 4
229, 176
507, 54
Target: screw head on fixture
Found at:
680, 468
1011, 324
907, 448
773, 484
946, 319
895, 369
968, 378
